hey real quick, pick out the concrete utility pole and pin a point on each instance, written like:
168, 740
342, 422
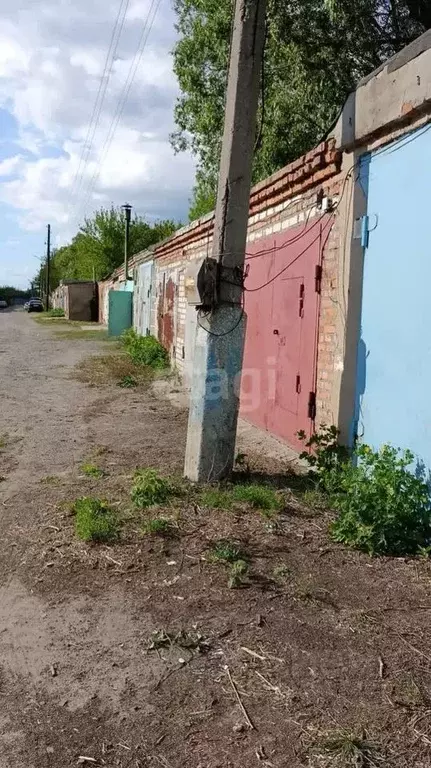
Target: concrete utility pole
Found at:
220, 333
48, 265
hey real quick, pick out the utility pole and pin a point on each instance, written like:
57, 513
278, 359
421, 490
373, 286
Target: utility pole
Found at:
127, 208
48, 265
220, 333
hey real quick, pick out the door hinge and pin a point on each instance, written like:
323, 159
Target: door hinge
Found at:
318, 278
312, 406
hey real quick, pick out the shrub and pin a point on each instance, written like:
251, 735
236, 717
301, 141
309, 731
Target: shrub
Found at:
149, 488
145, 350
383, 508
55, 312
95, 520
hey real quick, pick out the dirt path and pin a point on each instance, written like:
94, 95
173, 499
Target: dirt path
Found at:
332, 639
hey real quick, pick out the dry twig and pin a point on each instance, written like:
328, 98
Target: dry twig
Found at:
239, 700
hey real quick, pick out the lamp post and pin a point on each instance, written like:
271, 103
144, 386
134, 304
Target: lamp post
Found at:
127, 208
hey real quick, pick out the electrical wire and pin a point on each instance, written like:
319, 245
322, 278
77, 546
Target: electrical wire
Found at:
100, 97
146, 29
225, 333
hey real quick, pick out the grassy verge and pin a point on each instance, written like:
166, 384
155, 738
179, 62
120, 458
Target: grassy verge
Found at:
116, 368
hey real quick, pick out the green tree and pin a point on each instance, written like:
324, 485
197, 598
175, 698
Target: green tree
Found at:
98, 248
315, 52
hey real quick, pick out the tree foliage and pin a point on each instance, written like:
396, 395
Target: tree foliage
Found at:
315, 52
98, 248
9, 292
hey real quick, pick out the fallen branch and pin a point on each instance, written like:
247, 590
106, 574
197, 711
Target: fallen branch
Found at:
239, 700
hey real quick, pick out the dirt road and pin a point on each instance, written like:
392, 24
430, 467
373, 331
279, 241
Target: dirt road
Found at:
319, 642
49, 425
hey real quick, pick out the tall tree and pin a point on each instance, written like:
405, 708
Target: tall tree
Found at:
98, 248
316, 51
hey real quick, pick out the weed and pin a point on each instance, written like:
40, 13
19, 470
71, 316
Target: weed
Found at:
99, 370
91, 470
258, 496
238, 570
325, 454
189, 640
346, 749
95, 520
76, 334
315, 499
281, 573
4, 439
58, 312
145, 350
128, 382
150, 488
158, 526
50, 480
424, 552
216, 498
225, 551
382, 507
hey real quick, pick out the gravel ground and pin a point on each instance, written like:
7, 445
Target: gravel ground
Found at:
319, 640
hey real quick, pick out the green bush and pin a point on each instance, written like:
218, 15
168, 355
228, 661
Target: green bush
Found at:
95, 520
55, 312
383, 508
150, 488
145, 350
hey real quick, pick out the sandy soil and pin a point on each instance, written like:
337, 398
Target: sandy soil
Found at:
338, 642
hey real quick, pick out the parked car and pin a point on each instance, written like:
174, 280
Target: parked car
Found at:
35, 305
3, 304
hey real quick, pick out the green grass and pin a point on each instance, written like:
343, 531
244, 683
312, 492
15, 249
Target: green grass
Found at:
348, 750
95, 520
158, 526
92, 470
149, 488
261, 497
76, 334
114, 368
128, 382
4, 438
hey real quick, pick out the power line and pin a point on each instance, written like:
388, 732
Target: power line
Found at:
148, 24
100, 97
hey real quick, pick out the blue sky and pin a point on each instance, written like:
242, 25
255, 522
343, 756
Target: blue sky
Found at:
52, 56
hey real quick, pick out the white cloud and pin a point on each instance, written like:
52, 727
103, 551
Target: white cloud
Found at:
51, 58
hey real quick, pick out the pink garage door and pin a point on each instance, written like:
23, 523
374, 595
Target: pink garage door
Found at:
282, 305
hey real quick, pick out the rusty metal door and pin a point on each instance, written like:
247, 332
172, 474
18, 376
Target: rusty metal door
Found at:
282, 304
167, 290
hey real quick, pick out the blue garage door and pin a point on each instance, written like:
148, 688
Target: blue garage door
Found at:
394, 365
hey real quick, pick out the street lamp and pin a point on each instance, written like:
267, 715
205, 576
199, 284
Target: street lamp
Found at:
127, 208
